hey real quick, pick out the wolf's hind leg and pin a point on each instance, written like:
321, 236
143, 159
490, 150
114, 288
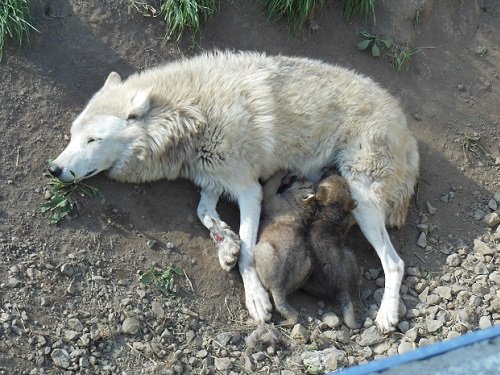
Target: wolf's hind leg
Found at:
228, 242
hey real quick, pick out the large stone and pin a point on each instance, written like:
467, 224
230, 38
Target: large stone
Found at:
453, 260
481, 248
300, 333
370, 336
491, 219
433, 325
444, 292
131, 326
331, 319
222, 364
75, 324
61, 358
495, 277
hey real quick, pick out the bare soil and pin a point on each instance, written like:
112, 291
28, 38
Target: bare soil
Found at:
451, 92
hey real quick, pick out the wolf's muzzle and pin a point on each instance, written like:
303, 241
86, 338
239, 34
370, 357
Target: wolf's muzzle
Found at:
54, 170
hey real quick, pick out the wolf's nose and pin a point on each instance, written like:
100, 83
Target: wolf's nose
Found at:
54, 170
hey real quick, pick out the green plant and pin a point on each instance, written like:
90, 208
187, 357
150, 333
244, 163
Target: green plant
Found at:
296, 11
358, 8
401, 57
14, 15
376, 43
61, 199
315, 370
161, 279
179, 15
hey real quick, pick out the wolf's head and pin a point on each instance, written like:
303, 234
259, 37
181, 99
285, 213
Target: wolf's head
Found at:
126, 132
334, 200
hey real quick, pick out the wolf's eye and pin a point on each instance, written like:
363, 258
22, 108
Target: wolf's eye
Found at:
92, 140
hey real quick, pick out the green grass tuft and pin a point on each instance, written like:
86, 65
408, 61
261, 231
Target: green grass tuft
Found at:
358, 8
14, 21
401, 57
296, 11
179, 15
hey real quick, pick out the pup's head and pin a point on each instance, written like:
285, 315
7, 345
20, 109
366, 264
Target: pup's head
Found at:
333, 195
298, 192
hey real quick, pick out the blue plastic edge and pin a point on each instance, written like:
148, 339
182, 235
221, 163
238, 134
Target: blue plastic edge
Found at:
422, 353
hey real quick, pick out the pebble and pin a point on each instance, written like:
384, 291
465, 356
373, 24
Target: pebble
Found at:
60, 357
157, 309
300, 333
443, 292
495, 277
75, 324
492, 219
67, 269
492, 204
453, 260
370, 336
485, 322
481, 248
131, 326
222, 364
405, 346
433, 324
331, 319
422, 240
430, 209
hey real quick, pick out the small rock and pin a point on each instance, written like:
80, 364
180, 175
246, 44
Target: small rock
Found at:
370, 336
433, 324
430, 209
202, 353
481, 248
157, 309
479, 214
13, 282
422, 240
444, 292
412, 334
60, 357
496, 197
492, 204
84, 361
75, 324
331, 319
452, 335
485, 322
495, 277
423, 227
70, 335
222, 364
433, 299
481, 269
453, 260
403, 326
412, 313
492, 219
131, 326
405, 346
461, 88
300, 333
67, 269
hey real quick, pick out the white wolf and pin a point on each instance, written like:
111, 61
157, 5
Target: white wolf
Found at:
225, 120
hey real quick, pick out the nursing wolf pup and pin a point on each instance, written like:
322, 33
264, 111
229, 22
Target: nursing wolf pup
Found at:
335, 273
302, 245
282, 258
224, 120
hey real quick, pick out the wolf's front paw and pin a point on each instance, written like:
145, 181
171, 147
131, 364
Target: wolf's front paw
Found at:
387, 316
228, 246
257, 301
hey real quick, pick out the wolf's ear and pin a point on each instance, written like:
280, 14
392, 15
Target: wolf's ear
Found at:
309, 200
141, 103
321, 194
351, 205
113, 80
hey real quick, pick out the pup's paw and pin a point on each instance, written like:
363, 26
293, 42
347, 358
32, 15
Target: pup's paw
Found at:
228, 247
257, 300
387, 316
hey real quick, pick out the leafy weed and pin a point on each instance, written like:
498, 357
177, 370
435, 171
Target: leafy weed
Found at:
62, 197
162, 280
373, 43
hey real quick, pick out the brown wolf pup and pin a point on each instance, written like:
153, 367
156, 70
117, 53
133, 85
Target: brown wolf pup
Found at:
282, 259
335, 271
287, 256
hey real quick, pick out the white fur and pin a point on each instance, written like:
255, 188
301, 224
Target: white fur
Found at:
224, 120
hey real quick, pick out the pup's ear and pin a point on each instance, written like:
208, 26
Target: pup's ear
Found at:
321, 194
141, 103
351, 205
113, 80
309, 200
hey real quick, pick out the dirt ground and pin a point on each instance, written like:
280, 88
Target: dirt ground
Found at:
451, 93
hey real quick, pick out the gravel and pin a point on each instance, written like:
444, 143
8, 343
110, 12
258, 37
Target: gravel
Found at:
107, 326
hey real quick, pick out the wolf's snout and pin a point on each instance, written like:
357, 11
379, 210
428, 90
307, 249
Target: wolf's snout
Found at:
54, 170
